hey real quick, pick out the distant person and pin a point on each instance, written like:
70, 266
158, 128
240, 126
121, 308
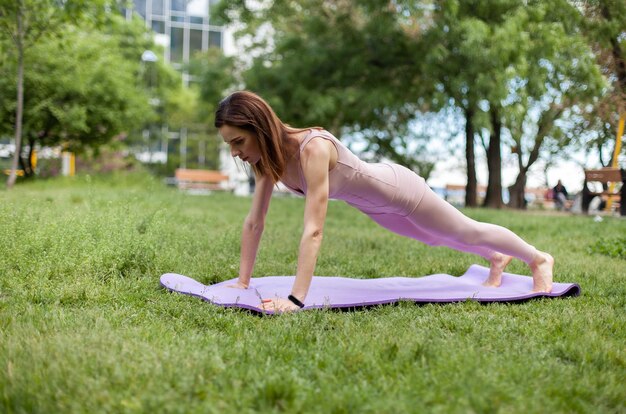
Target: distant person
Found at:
559, 193
313, 163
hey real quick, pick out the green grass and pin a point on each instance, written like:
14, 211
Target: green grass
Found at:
85, 326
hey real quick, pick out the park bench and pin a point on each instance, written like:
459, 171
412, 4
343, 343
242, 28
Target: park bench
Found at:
200, 180
605, 176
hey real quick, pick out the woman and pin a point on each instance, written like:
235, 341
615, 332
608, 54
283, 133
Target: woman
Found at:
313, 163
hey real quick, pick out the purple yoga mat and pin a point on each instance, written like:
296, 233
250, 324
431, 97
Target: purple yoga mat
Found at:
342, 292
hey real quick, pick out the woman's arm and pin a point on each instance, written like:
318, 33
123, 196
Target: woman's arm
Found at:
253, 228
315, 161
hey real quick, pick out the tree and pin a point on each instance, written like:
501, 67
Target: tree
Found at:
604, 23
214, 75
457, 62
508, 58
82, 91
25, 22
559, 80
349, 66
372, 67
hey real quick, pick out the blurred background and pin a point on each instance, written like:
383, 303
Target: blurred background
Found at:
492, 101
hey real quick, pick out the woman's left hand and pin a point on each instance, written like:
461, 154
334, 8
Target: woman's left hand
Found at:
279, 305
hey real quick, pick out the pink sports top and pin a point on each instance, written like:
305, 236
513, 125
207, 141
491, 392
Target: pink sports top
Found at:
377, 188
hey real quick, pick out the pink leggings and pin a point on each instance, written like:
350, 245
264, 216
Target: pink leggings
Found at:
437, 223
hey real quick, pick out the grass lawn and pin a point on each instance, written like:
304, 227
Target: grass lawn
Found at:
85, 326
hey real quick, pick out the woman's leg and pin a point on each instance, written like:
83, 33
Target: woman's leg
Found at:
405, 227
437, 217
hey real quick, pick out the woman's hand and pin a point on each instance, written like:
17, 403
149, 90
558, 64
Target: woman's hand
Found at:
279, 305
238, 285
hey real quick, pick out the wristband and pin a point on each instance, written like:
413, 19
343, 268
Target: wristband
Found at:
295, 301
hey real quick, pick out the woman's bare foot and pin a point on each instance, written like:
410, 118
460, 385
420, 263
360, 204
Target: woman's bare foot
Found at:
541, 268
498, 263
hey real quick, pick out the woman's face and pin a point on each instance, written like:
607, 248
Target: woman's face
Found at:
243, 144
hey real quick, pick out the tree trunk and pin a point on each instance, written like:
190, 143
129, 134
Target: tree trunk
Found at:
516, 191
20, 97
545, 123
493, 198
470, 189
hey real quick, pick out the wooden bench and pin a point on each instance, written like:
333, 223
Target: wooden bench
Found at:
605, 176
200, 180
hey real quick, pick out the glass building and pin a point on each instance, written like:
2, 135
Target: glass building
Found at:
182, 27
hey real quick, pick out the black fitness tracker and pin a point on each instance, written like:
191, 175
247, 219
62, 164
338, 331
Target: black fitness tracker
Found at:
295, 301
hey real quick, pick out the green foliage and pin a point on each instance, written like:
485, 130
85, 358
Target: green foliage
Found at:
215, 75
346, 66
191, 108
527, 61
44, 18
84, 81
603, 25
612, 247
86, 327
23, 23
367, 68
80, 91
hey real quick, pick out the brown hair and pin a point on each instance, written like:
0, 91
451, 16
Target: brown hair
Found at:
250, 112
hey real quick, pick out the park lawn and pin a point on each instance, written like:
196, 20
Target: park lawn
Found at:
86, 327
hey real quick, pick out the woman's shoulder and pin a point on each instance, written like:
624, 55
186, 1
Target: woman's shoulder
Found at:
315, 132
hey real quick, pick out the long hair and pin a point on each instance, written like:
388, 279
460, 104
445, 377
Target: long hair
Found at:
250, 112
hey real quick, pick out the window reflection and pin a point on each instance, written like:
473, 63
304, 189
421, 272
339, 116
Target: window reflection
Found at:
195, 41
158, 26
215, 38
176, 44
140, 7
178, 5
157, 7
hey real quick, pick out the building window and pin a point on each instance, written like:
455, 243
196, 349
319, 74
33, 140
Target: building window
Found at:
195, 41
140, 7
181, 26
158, 27
215, 39
157, 7
176, 44
178, 5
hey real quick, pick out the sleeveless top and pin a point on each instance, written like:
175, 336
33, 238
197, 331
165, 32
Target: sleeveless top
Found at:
373, 188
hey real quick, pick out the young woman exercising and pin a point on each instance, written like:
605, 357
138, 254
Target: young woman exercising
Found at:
313, 163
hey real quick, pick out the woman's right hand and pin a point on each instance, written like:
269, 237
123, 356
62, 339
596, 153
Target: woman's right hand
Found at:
238, 285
